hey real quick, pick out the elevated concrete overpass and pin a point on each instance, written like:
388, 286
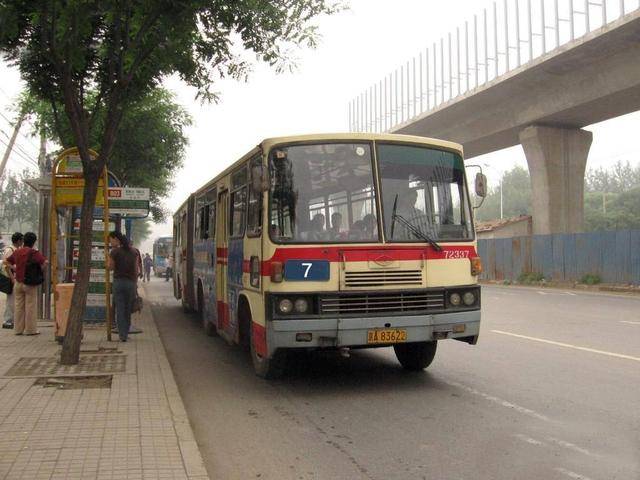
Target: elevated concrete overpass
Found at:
542, 105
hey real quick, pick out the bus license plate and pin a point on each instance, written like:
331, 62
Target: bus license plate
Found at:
387, 335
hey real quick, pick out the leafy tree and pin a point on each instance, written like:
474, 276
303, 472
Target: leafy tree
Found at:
67, 49
141, 230
619, 178
150, 145
20, 203
612, 211
516, 196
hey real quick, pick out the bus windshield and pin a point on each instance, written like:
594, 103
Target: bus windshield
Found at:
423, 194
322, 193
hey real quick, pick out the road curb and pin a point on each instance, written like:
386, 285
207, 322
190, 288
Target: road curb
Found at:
191, 456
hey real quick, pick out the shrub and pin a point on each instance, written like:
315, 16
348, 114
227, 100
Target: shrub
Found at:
590, 279
528, 278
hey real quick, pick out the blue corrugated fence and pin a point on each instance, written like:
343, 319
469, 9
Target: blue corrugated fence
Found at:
613, 256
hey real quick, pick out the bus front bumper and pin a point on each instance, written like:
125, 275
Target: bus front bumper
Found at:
353, 332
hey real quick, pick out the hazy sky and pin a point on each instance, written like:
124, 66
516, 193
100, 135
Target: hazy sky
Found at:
358, 47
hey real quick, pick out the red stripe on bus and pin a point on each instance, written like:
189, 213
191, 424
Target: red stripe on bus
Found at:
360, 254
223, 315
222, 252
246, 266
364, 254
259, 338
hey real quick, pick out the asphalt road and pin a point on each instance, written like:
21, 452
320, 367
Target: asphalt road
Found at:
552, 391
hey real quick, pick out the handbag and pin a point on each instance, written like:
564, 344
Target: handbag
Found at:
137, 303
33, 274
6, 285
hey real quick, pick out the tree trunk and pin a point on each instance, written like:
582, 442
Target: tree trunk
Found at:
71, 347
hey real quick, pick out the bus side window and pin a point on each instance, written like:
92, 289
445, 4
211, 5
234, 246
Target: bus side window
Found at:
212, 219
254, 217
238, 203
198, 223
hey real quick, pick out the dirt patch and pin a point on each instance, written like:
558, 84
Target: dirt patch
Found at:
75, 383
50, 366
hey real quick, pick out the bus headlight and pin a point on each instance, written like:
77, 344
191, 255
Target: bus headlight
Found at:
285, 305
454, 299
469, 298
301, 305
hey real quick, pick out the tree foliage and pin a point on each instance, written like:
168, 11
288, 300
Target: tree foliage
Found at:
621, 177
611, 200
516, 196
140, 231
148, 150
20, 203
120, 49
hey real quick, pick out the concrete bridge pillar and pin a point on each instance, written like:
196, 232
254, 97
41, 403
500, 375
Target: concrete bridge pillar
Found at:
557, 158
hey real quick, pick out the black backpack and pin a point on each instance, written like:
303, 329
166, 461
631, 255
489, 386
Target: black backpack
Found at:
33, 274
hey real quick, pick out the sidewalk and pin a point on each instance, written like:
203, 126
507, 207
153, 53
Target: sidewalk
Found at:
116, 415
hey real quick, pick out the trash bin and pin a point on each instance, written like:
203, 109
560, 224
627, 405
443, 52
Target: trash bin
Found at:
63, 293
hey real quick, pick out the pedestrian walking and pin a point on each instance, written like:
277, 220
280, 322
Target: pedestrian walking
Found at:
28, 264
123, 261
147, 263
169, 268
7, 272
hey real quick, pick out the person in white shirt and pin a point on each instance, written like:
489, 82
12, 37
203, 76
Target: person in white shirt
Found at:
16, 240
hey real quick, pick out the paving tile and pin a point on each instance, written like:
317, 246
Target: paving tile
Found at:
136, 429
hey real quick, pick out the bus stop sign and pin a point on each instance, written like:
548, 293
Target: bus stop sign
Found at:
128, 202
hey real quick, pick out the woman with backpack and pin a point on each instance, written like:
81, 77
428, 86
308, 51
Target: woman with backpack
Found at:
28, 265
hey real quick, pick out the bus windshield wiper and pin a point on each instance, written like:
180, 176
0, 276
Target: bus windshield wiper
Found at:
412, 228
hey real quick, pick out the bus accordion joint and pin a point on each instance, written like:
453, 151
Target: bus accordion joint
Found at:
276, 272
476, 266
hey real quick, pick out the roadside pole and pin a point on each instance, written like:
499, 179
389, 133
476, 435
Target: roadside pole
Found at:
42, 185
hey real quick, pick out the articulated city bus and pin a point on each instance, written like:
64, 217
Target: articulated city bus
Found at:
162, 250
333, 242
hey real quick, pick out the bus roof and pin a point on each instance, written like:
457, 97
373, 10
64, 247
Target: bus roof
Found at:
269, 143
388, 137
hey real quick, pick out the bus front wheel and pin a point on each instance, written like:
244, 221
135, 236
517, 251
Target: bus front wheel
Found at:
415, 356
268, 368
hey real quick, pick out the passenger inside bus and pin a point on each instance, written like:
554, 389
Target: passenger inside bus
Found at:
316, 232
335, 232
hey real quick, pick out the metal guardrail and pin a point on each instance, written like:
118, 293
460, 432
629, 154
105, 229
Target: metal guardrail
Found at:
491, 45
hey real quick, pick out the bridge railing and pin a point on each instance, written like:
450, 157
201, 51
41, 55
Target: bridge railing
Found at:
491, 44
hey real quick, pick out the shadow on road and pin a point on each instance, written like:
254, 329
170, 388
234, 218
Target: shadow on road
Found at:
323, 372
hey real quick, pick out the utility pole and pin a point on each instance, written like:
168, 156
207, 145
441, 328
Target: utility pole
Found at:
12, 141
44, 194
501, 202
42, 185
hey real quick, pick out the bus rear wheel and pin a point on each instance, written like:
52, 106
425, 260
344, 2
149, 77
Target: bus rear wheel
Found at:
415, 356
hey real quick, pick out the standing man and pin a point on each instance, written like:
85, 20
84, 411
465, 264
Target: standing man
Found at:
25, 290
169, 272
6, 270
147, 264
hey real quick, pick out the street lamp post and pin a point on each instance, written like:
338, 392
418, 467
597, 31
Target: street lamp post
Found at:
2, 210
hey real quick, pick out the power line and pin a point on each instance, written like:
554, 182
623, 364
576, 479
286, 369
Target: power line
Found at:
21, 134
17, 145
16, 152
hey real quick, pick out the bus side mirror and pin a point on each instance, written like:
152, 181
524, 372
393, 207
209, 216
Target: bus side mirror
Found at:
481, 185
